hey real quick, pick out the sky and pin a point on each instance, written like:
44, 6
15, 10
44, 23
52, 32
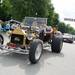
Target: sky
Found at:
66, 9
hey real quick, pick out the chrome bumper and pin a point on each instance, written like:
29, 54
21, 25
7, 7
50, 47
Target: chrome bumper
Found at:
4, 49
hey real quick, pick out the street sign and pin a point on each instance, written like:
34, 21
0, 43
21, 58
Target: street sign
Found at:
69, 19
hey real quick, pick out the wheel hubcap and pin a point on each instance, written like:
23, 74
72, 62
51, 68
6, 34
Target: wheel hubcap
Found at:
38, 52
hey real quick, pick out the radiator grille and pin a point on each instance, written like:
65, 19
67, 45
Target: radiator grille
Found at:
17, 39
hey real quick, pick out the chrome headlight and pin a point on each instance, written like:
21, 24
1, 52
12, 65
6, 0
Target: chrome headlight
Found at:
29, 36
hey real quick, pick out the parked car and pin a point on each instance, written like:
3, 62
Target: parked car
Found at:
74, 37
68, 38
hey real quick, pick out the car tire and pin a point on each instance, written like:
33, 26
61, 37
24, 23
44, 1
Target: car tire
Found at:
35, 52
71, 41
1, 39
56, 44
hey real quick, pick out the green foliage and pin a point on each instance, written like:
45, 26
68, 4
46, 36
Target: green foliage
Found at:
53, 18
5, 10
18, 9
50, 14
66, 28
30, 8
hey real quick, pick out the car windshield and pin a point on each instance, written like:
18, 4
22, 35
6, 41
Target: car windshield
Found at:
37, 22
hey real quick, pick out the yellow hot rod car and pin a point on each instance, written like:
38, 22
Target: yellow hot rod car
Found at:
30, 39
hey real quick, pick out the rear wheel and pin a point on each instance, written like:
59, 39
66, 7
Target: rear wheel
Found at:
35, 51
56, 44
71, 42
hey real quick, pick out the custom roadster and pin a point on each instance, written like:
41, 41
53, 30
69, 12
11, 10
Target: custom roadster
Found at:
30, 39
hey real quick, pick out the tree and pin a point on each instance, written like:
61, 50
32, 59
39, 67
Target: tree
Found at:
53, 18
30, 8
66, 28
50, 15
5, 8
62, 27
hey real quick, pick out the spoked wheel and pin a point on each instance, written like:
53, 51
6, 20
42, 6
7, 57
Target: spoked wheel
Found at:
1, 39
35, 52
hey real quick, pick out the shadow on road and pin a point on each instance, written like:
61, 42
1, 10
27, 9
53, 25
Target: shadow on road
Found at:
23, 62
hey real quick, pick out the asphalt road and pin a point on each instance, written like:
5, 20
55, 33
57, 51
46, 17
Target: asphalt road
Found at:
50, 63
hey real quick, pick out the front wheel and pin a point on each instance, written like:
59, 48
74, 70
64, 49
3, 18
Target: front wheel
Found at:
1, 39
35, 51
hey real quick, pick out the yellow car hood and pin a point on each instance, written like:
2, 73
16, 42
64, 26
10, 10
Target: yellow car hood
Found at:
19, 31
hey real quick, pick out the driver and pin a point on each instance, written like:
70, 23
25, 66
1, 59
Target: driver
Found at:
48, 30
